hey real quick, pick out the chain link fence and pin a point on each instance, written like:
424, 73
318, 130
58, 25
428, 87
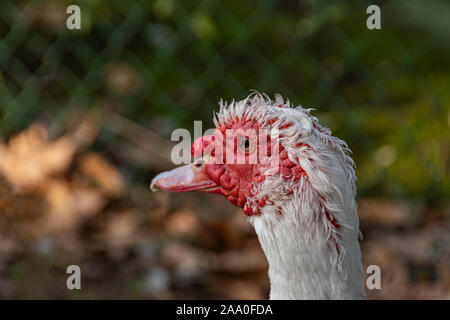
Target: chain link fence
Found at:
165, 63
86, 117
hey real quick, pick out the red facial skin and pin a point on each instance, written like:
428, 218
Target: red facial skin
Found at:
234, 181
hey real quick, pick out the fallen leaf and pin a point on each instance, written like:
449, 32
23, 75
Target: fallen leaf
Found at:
383, 212
29, 159
183, 222
101, 172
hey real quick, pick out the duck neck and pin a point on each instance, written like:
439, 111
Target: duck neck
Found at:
305, 265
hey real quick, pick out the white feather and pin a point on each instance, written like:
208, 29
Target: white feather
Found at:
309, 258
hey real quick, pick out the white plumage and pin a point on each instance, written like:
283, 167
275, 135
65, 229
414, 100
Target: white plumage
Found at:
308, 228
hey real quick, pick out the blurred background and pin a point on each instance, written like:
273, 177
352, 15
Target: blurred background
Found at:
86, 118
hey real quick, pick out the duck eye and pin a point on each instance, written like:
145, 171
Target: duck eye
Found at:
245, 144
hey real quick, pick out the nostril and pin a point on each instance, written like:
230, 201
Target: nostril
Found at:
153, 186
198, 164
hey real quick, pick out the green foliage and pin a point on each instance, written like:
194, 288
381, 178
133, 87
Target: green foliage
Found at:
386, 92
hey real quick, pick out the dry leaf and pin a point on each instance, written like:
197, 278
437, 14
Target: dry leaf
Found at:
60, 215
121, 229
183, 222
87, 201
383, 212
102, 173
251, 260
29, 159
241, 290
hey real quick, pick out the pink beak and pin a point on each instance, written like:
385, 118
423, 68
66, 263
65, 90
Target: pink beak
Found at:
190, 177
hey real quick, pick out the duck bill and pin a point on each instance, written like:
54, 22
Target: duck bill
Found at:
183, 179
